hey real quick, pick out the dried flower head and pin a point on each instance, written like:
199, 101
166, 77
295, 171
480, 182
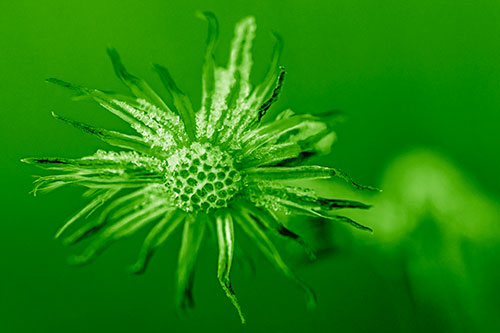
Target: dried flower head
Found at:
213, 169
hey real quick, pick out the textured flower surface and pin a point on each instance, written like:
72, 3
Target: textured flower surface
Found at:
224, 169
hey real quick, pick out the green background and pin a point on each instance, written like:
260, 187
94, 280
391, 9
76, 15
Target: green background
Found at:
408, 74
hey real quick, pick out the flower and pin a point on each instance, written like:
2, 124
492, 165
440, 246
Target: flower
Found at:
218, 169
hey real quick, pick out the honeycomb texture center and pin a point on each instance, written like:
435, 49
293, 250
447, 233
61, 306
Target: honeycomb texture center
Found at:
202, 177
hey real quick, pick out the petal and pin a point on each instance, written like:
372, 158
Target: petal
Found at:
181, 101
249, 225
156, 237
137, 86
268, 221
124, 227
116, 209
208, 79
113, 138
273, 154
301, 195
192, 235
312, 135
225, 237
103, 162
272, 132
274, 95
232, 84
98, 201
300, 173
261, 92
158, 127
240, 59
286, 173
305, 209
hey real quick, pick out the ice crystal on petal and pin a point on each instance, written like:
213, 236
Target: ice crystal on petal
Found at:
221, 169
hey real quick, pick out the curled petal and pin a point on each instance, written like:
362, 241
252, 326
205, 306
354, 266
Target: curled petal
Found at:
137, 86
225, 237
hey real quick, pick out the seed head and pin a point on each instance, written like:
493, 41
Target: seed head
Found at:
202, 178
226, 168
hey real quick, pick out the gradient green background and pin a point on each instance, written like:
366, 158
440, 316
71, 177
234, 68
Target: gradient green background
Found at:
407, 73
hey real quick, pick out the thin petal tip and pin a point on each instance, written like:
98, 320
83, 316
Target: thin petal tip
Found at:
77, 260
137, 269
205, 15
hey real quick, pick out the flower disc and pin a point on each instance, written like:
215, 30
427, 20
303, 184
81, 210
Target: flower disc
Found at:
202, 177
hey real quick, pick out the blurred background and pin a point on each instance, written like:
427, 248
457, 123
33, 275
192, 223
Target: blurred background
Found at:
419, 84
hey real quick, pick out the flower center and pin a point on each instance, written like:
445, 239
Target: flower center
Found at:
202, 177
